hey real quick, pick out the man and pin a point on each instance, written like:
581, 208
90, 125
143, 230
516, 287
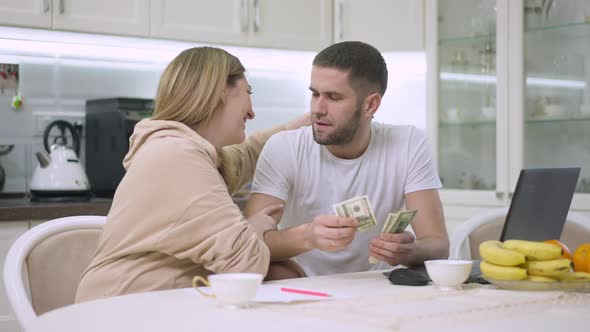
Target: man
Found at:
343, 155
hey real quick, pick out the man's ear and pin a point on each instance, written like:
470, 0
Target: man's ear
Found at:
371, 104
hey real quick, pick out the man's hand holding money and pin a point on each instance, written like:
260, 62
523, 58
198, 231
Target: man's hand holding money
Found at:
392, 248
394, 244
330, 233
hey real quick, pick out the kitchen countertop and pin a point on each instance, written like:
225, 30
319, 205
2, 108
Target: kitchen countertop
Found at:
19, 207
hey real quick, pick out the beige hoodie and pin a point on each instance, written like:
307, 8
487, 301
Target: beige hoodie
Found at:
172, 215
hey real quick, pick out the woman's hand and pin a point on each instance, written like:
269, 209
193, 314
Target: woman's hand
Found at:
301, 121
266, 219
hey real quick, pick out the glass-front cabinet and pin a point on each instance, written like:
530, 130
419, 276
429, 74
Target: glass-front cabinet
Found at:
508, 88
556, 104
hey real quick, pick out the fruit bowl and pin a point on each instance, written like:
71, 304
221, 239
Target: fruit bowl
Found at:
582, 286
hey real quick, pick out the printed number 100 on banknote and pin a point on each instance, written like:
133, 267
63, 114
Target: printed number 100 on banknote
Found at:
359, 208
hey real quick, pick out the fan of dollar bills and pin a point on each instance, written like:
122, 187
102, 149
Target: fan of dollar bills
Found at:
360, 208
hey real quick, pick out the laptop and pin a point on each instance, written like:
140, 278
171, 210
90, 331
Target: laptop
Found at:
538, 209
540, 204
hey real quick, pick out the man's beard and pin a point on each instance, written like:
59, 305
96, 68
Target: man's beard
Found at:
345, 134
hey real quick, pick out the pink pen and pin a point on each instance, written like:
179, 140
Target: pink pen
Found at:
305, 292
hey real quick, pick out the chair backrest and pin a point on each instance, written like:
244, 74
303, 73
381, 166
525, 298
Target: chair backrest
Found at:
488, 225
56, 253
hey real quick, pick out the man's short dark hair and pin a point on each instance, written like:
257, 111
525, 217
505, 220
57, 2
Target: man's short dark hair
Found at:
365, 63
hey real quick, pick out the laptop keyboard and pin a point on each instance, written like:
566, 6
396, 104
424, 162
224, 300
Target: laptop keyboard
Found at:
475, 275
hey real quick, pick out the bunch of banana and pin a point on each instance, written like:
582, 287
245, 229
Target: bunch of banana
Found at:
551, 268
569, 276
492, 252
501, 263
541, 279
494, 271
518, 260
538, 251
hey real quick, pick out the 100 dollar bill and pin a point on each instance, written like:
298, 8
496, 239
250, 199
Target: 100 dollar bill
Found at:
359, 208
396, 223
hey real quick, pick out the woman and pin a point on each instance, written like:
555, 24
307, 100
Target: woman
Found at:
172, 216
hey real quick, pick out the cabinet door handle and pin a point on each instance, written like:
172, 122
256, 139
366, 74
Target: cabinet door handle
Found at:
62, 7
244, 17
256, 15
499, 195
46, 6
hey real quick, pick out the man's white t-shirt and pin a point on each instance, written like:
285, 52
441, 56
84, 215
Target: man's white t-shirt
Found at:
304, 174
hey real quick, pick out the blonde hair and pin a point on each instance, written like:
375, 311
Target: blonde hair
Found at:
192, 85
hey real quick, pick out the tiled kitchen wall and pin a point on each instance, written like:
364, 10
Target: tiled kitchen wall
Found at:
57, 86
59, 91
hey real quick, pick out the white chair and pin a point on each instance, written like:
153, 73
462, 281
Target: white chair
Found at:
49, 260
488, 225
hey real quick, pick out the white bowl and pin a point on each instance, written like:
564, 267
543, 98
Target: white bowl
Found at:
554, 110
448, 273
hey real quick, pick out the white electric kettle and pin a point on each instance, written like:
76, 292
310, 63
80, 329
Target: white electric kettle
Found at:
59, 176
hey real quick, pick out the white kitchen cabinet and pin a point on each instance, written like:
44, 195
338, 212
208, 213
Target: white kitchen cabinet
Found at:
508, 87
389, 25
9, 232
303, 24
124, 17
26, 13
224, 21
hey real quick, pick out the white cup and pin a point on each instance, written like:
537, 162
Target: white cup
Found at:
453, 114
235, 290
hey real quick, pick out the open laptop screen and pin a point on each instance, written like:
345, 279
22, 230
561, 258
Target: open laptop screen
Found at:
540, 204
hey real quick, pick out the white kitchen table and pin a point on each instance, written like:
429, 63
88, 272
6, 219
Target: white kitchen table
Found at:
363, 301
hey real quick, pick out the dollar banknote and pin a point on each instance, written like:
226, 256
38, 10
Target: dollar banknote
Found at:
396, 223
359, 208
391, 218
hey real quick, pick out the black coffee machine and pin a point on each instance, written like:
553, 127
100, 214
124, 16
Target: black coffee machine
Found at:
109, 123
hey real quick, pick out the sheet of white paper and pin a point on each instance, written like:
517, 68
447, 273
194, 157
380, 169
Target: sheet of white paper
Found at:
273, 294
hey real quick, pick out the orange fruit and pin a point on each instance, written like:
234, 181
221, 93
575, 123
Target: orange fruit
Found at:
582, 258
566, 253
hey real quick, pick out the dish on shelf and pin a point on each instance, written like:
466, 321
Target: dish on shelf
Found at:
488, 113
453, 115
555, 111
582, 286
